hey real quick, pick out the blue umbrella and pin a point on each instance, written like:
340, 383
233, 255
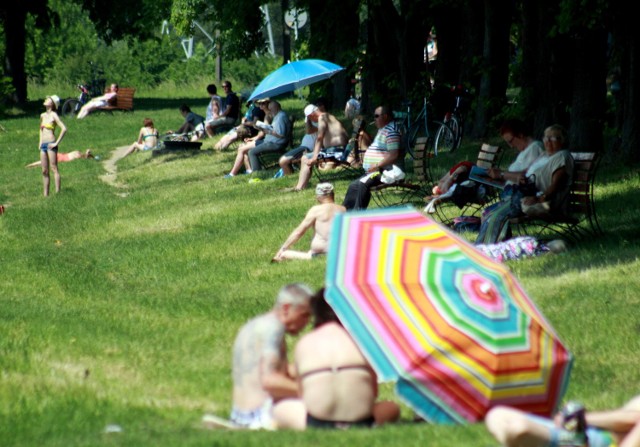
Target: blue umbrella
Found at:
293, 76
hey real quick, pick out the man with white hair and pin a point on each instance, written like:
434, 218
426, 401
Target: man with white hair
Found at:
261, 374
319, 217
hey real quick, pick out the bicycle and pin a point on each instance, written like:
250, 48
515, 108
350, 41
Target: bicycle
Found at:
87, 91
449, 135
411, 129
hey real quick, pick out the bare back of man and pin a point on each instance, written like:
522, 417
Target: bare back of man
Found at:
258, 349
319, 217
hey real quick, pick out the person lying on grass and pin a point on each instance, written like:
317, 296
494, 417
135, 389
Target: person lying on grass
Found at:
64, 157
617, 427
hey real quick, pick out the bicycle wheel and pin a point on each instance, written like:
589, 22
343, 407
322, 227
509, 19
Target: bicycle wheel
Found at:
418, 130
456, 129
445, 140
70, 107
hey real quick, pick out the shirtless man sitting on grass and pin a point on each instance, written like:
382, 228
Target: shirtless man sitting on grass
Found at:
263, 384
320, 217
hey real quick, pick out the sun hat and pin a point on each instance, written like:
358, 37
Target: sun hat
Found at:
56, 100
324, 189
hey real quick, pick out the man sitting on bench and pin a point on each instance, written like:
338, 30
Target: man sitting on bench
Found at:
100, 101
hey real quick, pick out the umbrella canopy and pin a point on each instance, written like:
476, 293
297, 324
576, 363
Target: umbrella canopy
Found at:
293, 76
450, 326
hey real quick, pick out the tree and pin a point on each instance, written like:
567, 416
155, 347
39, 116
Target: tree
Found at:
13, 17
494, 71
624, 56
115, 19
239, 23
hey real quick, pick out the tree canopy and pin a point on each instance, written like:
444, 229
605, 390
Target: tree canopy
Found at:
558, 57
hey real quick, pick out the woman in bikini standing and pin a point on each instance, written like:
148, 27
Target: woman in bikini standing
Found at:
48, 143
338, 387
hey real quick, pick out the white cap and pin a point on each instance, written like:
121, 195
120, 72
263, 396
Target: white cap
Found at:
324, 189
308, 110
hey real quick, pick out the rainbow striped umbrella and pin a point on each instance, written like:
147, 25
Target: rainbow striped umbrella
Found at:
451, 327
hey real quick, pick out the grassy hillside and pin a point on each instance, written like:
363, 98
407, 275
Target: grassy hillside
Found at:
121, 295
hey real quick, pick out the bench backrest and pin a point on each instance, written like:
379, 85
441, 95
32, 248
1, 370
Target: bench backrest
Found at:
124, 99
488, 156
290, 134
581, 193
421, 155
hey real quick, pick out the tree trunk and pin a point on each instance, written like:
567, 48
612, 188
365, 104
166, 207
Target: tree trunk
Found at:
334, 37
449, 31
552, 70
628, 43
286, 34
15, 37
495, 72
381, 80
589, 91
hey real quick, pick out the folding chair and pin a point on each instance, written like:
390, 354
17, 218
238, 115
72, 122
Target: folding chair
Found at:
269, 160
471, 197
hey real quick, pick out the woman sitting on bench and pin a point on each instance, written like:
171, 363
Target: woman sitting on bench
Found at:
100, 101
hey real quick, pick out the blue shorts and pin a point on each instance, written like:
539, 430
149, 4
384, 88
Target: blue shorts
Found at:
44, 147
295, 154
597, 437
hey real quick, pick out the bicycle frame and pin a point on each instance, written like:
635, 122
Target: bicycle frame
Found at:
410, 127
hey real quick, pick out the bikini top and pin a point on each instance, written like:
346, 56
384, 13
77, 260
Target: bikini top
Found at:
50, 125
333, 370
144, 137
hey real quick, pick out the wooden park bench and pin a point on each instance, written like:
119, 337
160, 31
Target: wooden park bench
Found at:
123, 101
582, 220
409, 190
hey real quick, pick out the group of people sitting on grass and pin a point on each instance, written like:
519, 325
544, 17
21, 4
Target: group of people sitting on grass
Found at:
331, 385
271, 393
536, 183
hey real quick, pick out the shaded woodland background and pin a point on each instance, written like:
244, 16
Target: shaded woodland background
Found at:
571, 62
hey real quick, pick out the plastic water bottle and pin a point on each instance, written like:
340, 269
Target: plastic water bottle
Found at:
574, 422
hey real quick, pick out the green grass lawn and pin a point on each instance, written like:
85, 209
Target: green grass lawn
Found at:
120, 300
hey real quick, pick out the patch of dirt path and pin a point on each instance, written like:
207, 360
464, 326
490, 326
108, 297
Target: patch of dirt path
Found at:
110, 177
